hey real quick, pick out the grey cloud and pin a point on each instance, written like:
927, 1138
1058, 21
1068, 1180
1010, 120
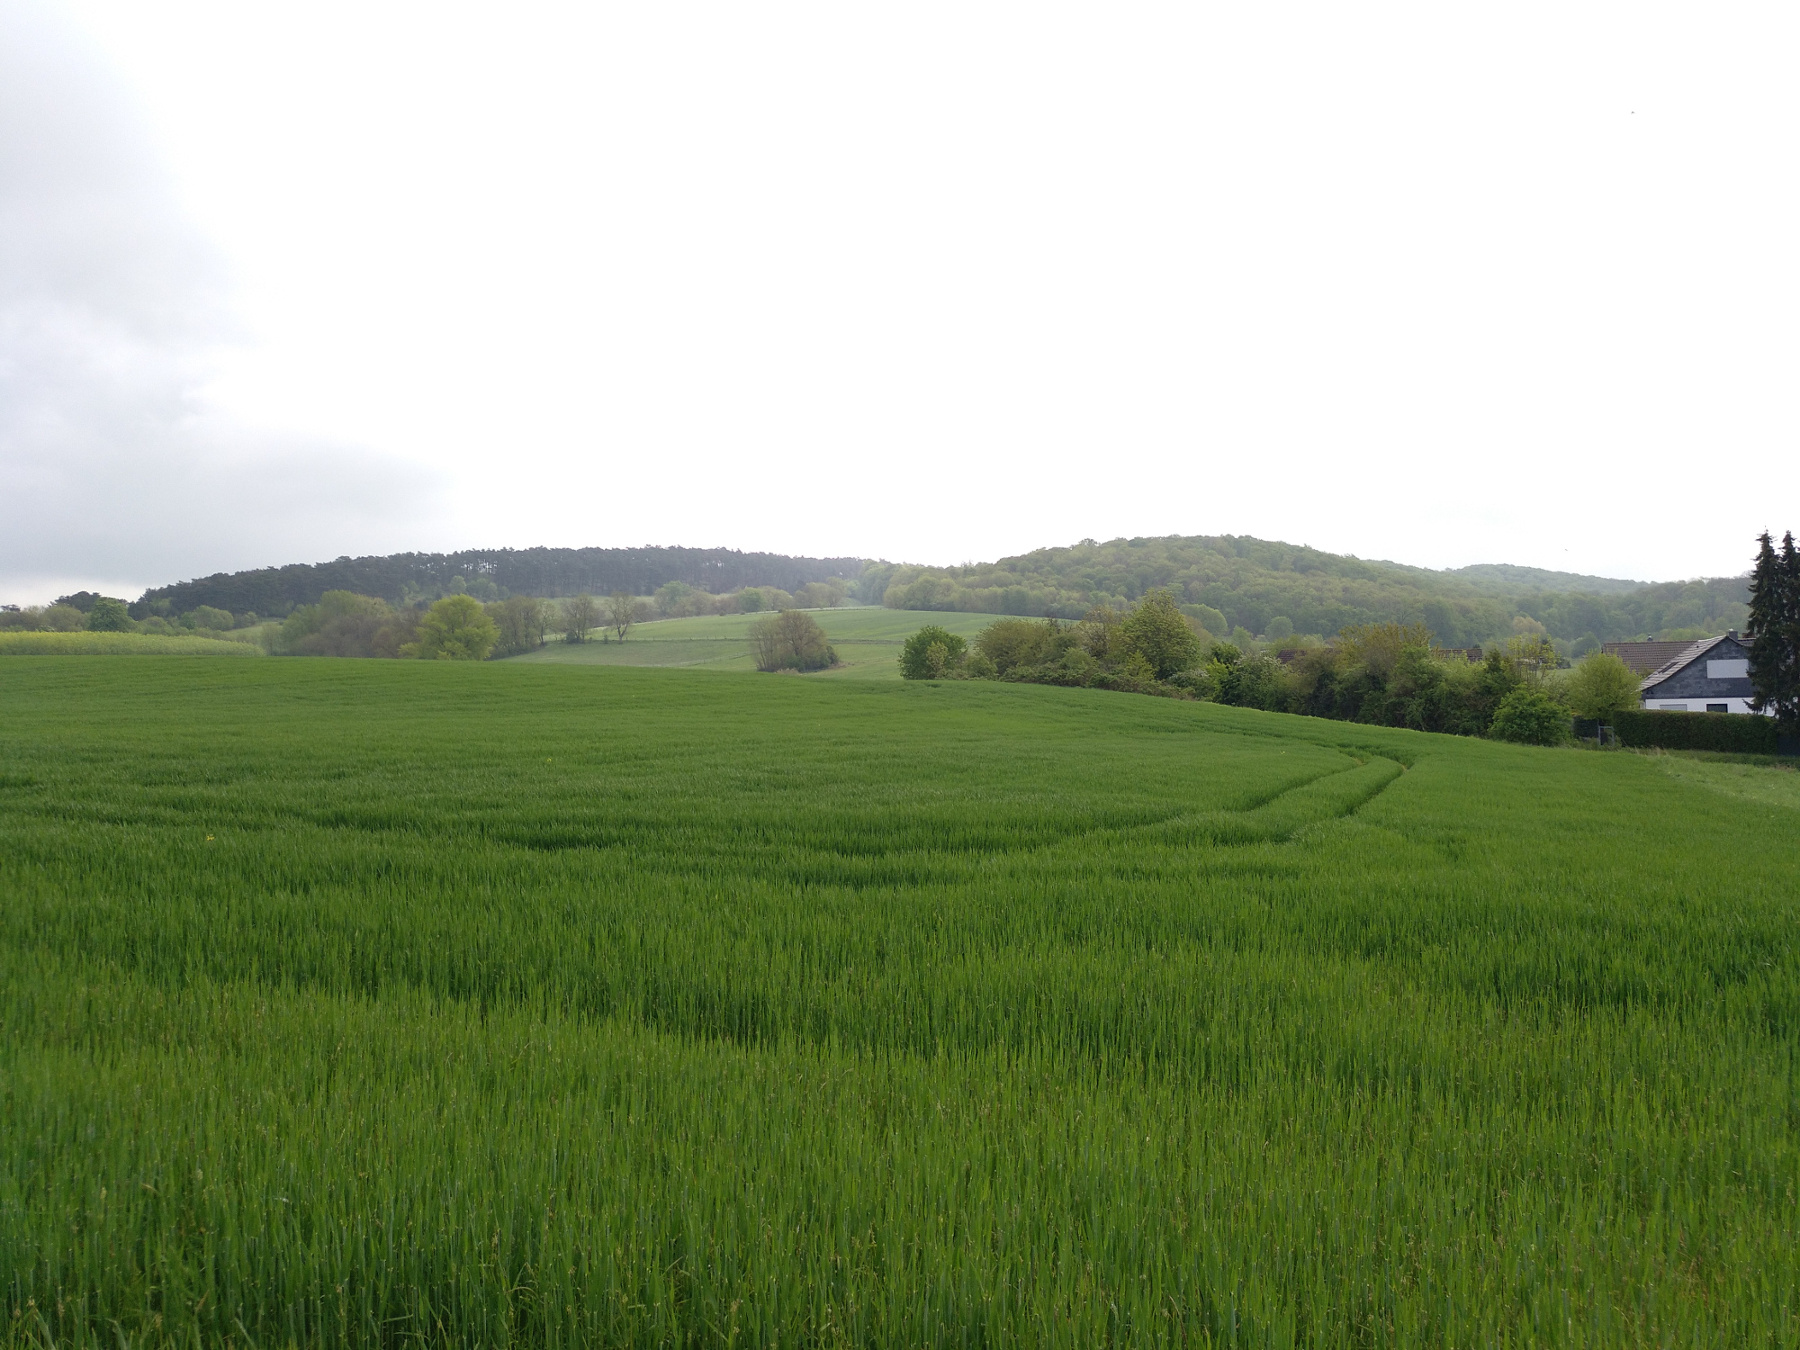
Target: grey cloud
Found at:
113, 307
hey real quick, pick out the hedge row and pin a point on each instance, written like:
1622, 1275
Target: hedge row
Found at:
1737, 733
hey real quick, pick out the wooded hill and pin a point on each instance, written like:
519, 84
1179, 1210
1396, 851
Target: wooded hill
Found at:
492, 574
1229, 582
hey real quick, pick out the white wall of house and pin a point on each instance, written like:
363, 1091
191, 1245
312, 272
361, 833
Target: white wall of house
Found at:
1729, 705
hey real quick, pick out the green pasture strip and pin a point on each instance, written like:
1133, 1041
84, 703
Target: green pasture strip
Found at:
699, 652
354, 1002
1770, 782
867, 640
120, 644
866, 623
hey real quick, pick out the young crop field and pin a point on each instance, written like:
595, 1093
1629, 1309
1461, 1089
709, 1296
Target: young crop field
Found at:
867, 640
513, 1003
121, 644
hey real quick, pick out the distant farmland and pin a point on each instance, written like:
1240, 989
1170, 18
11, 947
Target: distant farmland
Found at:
361, 1002
867, 641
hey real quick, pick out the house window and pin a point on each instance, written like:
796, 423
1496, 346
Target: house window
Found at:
1718, 707
1727, 670
1672, 707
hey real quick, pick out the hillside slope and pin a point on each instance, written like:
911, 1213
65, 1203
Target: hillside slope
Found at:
1225, 581
402, 577
1233, 581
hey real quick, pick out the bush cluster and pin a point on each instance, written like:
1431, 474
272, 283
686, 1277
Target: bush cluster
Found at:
1144, 651
678, 600
790, 640
1379, 674
455, 628
87, 612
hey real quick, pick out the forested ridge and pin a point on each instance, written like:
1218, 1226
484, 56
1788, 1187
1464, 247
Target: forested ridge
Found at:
1266, 588
406, 578
1228, 583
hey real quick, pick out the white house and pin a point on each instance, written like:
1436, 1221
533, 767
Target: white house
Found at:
1712, 675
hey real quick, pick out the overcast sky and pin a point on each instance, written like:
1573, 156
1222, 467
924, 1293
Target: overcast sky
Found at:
1442, 284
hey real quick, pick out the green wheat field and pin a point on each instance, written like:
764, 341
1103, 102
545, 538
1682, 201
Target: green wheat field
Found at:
538, 1004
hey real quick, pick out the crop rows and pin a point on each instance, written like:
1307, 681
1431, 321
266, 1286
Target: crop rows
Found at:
357, 1003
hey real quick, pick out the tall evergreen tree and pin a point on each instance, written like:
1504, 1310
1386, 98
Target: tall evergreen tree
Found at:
1775, 630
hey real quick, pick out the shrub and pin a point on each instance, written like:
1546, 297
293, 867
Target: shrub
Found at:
1011, 643
1378, 646
1528, 716
1732, 733
977, 666
208, 617
346, 624
1099, 632
790, 640
1600, 686
1250, 682
1199, 682
456, 628
819, 595
678, 600
917, 661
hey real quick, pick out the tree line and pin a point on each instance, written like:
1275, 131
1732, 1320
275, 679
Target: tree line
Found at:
1386, 674
347, 623
460, 627
1234, 586
453, 628
408, 579
86, 611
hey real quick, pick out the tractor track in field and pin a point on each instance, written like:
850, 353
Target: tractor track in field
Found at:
1278, 816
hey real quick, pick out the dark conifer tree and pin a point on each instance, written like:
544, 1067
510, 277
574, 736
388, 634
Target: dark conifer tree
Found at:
1775, 630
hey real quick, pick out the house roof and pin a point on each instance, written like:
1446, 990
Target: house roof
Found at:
1687, 656
1644, 657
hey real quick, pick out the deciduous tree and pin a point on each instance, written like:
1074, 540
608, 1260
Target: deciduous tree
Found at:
108, 615
1377, 646
456, 628
1157, 631
620, 612
520, 621
580, 616
1601, 686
